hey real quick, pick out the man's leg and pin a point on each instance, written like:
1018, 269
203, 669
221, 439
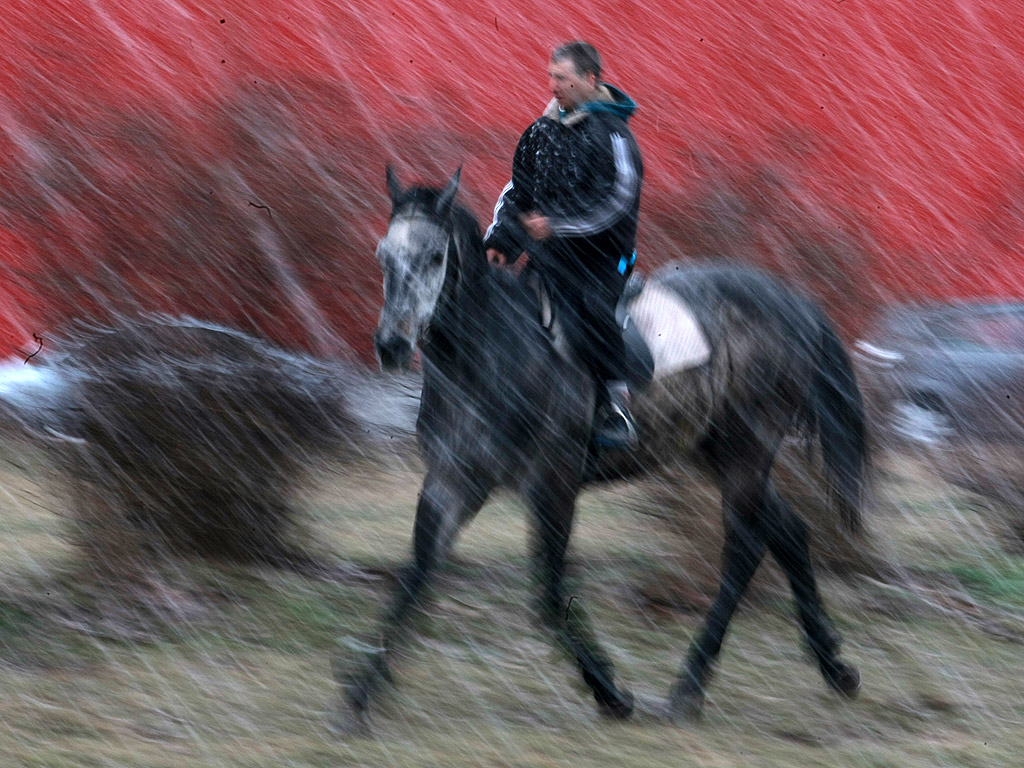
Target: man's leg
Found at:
587, 297
614, 427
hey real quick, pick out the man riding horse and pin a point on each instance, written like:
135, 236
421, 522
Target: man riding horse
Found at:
494, 385
575, 191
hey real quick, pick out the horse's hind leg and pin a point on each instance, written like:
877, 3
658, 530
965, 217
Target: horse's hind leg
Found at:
446, 501
742, 554
553, 502
786, 535
742, 464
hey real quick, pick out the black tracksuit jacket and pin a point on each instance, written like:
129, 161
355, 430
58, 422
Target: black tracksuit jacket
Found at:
583, 171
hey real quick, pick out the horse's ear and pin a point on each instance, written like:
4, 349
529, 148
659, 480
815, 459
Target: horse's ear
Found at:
447, 196
394, 186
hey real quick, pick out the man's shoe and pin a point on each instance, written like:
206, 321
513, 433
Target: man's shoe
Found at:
616, 428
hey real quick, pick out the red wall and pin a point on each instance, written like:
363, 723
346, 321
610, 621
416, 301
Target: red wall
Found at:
871, 152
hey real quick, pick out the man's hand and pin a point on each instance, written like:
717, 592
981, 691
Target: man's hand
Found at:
496, 257
536, 225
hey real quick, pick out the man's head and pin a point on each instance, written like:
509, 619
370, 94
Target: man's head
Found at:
573, 73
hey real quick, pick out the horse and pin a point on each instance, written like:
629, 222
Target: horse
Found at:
505, 404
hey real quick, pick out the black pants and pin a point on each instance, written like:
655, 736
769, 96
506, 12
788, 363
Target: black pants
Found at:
586, 293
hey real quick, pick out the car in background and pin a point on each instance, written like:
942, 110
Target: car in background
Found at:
944, 372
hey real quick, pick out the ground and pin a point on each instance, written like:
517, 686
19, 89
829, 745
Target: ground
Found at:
231, 666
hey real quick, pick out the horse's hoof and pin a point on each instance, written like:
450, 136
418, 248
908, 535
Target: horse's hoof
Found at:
351, 717
844, 679
348, 721
685, 706
619, 708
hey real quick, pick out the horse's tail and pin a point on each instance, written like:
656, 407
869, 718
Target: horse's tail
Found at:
839, 413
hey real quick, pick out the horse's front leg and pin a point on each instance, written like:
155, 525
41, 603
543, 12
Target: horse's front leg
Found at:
553, 502
446, 501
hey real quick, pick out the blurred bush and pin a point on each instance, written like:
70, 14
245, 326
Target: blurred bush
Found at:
194, 439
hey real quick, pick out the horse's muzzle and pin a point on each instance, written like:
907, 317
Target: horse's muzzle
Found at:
393, 351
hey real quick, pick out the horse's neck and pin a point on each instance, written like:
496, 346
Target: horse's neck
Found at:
459, 338
451, 328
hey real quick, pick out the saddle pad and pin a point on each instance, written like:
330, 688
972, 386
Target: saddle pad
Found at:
670, 329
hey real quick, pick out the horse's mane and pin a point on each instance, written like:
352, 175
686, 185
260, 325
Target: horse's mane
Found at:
466, 225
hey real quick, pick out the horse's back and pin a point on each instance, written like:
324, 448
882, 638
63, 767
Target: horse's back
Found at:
763, 337
732, 300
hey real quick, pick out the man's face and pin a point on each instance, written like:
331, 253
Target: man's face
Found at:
568, 86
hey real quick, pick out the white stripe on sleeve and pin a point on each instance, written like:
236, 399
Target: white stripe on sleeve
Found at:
616, 205
497, 209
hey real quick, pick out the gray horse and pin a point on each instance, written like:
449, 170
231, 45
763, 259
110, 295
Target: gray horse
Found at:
504, 404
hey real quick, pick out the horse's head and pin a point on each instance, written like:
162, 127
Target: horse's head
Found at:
413, 256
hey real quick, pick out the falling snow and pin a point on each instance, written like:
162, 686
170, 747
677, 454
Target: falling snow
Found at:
220, 171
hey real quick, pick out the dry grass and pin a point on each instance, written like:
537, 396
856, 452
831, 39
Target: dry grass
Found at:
233, 668
993, 471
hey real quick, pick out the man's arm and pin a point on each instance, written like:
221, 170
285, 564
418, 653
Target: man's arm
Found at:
506, 234
615, 199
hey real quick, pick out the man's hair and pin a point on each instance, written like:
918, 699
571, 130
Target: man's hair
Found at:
584, 57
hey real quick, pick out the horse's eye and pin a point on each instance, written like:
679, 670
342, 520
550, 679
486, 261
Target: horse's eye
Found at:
436, 259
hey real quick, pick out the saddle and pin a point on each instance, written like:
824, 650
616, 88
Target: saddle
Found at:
639, 359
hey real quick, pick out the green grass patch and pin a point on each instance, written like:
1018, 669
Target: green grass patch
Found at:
999, 581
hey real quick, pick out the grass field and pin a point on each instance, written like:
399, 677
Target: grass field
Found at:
230, 666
